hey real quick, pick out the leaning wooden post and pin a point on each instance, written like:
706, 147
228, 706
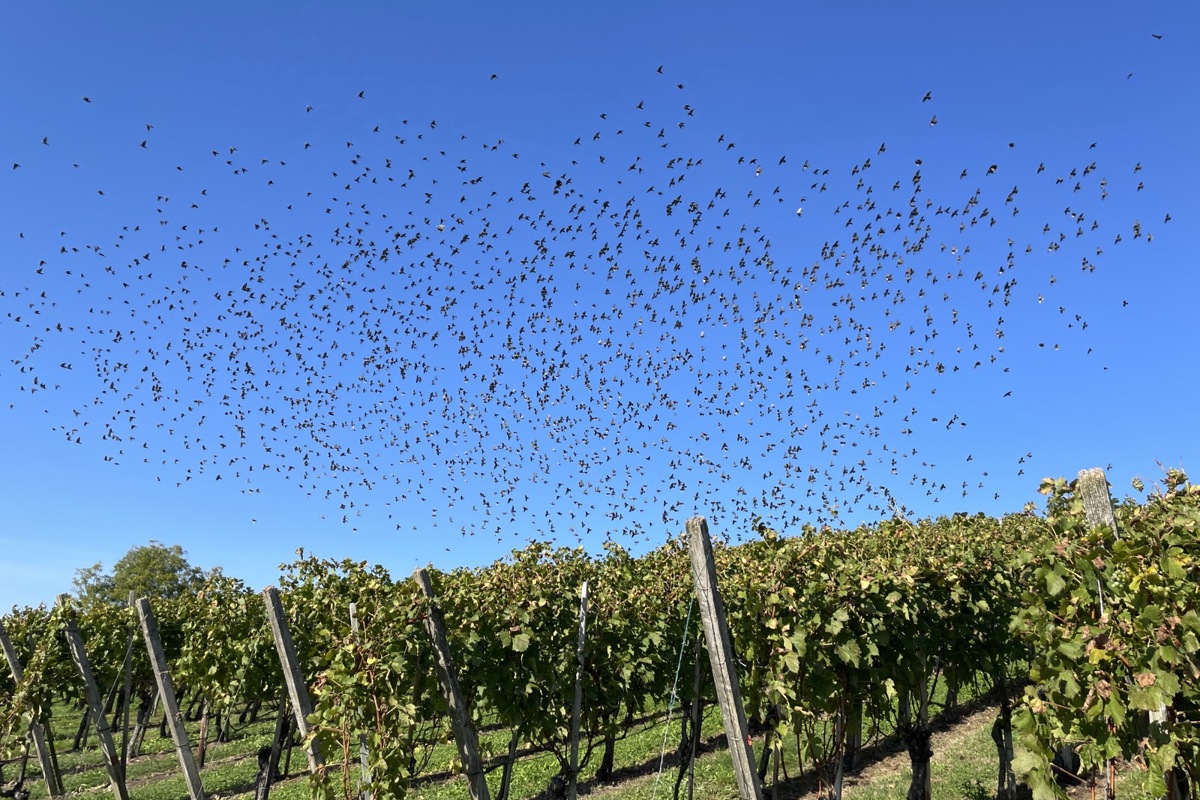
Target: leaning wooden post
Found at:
166, 690
268, 762
577, 709
460, 721
112, 760
53, 783
721, 657
297, 688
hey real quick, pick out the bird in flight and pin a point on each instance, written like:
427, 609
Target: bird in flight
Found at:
634, 332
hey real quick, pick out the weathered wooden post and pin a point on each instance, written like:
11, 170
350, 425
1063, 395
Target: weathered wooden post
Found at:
112, 760
49, 773
460, 720
128, 696
923, 783
166, 691
697, 714
854, 725
721, 658
1098, 509
848, 732
576, 711
362, 737
292, 676
268, 757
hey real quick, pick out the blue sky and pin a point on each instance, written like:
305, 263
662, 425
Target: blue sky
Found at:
603, 418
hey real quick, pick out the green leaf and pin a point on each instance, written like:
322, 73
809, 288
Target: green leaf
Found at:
1071, 648
849, 652
520, 642
1054, 581
1025, 762
1173, 569
1168, 655
1145, 699
1115, 709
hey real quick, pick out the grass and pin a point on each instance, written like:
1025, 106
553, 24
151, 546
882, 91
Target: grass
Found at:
155, 774
963, 766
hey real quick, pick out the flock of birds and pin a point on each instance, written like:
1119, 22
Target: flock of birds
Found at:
611, 340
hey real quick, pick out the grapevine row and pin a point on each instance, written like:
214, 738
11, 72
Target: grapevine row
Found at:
827, 626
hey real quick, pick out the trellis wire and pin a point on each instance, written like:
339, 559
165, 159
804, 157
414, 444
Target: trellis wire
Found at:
674, 694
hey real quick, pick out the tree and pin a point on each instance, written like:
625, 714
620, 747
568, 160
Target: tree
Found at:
153, 570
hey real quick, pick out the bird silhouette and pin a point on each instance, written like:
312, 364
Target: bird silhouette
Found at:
660, 323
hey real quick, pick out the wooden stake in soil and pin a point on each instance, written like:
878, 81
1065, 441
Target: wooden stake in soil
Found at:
166, 690
922, 785
1097, 503
721, 658
1092, 486
575, 713
697, 715
112, 760
53, 784
128, 688
854, 725
460, 721
362, 737
267, 772
202, 737
297, 688
1098, 509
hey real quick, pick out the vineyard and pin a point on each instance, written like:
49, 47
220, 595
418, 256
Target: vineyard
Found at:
1087, 634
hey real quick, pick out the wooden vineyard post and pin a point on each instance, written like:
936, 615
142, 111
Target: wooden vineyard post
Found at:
268, 757
854, 724
128, 697
362, 737
576, 711
297, 688
112, 761
460, 721
848, 727
1097, 502
721, 658
53, 783
697, 714
166, 691
1098, 509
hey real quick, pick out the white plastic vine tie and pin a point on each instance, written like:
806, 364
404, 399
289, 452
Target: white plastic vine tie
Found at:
662, 756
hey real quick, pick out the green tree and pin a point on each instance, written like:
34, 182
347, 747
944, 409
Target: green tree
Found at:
153, 570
